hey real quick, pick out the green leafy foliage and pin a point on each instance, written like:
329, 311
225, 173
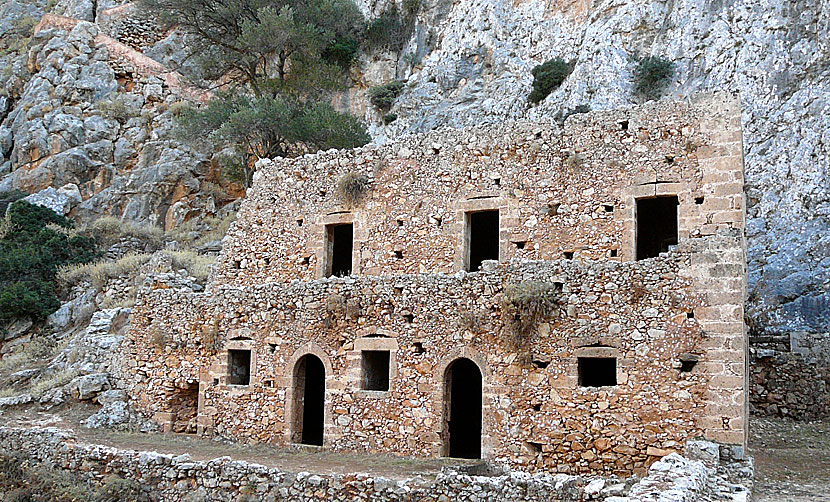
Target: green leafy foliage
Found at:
278, 59
30, 254
652, 76
267, 125
548, 76
392, 28
253, 40
384, 96
7, 198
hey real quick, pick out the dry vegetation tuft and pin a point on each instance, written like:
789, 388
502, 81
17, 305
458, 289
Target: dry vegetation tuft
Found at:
100, 272
352, 187
526, 304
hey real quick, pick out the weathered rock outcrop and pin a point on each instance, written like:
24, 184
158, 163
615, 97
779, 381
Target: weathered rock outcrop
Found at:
94, 119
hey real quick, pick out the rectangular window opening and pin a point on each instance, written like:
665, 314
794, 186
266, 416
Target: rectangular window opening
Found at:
482, 238
656, 226
597, 371
375, 373
339, 246
239, 367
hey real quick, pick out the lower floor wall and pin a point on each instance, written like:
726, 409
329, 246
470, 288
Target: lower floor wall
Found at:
790, 375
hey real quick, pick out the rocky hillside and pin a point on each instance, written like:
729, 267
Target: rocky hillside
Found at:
80, 110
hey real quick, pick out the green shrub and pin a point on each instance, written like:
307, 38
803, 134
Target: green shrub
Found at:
652, 75
116, 108
341, 52
384, 96
7, 198
389, 118
548, 76
30, 256
36, 299
392, 29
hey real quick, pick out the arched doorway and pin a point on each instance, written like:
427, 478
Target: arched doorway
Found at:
309, 400
462, 409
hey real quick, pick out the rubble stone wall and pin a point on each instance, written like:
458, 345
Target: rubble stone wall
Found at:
673, 323
174, 478
790, 375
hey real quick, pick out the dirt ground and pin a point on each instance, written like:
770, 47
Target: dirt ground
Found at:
792, 460
309, 459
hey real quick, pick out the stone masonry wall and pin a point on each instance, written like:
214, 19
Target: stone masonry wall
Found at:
558, 190
790, 375
174, 478
656, 317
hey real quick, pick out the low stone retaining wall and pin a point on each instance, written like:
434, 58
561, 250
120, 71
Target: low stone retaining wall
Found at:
704, 477
790, 375
176, 478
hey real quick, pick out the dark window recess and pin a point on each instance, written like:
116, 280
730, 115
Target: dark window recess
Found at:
624, 125
400, 223
299, 222
608, 209
520, 244
306, 260
483, 232
410, 318
597, 371
569, 255
699, 200
614, 253
239, 367
497, 181
375, 370
537, 407
399, 255
340, 239
418, 347
690, 315
656, 226
688, 362
533, 447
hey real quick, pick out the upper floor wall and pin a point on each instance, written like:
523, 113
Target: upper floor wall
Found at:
553, 193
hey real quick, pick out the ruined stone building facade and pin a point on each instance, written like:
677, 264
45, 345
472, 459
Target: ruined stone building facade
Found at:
560, 298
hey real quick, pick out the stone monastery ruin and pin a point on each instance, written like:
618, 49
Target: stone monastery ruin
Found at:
553, 298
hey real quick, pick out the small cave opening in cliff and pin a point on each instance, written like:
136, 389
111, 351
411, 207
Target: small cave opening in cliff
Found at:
482, 238
339, 249
309, 401
656, 226
462, 409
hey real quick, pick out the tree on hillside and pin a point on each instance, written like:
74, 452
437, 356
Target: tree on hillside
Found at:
275, 60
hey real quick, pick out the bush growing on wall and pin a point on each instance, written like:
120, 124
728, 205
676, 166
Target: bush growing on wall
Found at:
548, 76
652, 75
526, 304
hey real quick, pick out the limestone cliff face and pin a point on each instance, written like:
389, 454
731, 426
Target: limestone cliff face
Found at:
470, 63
